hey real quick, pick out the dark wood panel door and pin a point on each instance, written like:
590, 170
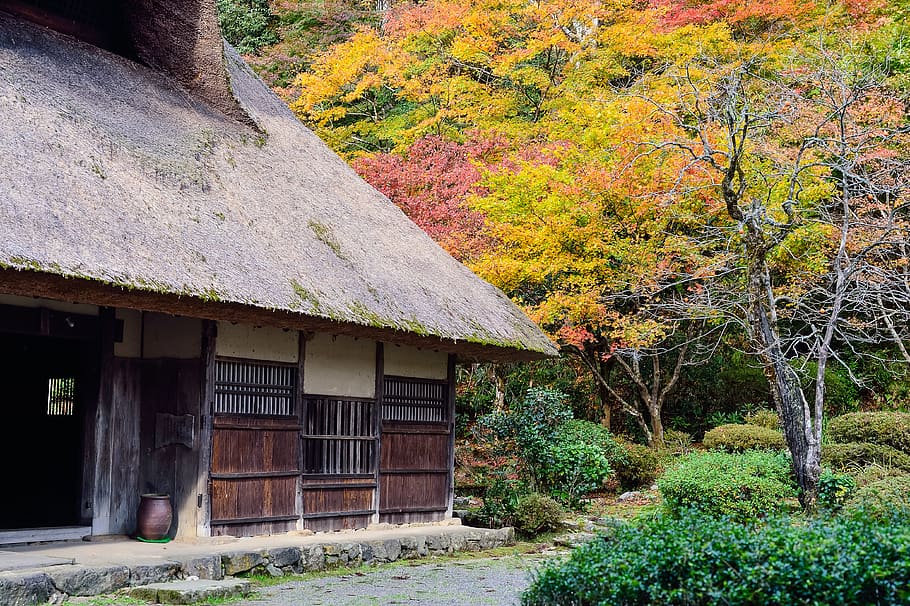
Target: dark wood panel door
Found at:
414, 472
254, 475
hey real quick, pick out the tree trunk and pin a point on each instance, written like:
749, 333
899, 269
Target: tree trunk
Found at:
800, 432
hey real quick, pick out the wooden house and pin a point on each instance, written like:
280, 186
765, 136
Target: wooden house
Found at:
198, 298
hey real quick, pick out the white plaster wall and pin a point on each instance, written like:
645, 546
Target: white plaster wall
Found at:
340, 366
404, 361
169, 336
257, 342
73, 308
131, 345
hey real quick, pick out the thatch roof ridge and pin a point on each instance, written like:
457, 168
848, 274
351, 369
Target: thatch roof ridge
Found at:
120, 176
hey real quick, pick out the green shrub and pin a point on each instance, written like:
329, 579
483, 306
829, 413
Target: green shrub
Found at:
556, 454
742, 486
677, 442
885, 428
874, 473
246, 24
638, 468
861, 454
738, 438
580, 455
764, 418
537, 513
834, 489
698, 561
880, 499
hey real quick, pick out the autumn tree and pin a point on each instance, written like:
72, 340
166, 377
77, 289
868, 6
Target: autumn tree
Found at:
812, 163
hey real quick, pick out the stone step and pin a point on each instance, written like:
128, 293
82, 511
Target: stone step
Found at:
190, 591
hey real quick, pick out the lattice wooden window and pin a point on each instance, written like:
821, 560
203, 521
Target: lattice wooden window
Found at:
415, 400
248, 387
61, 396
339, 436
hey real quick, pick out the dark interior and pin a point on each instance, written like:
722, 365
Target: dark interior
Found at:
98, 22
42, 445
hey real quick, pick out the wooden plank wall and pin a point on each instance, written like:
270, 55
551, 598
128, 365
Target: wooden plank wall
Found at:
254, 475
413, 473
171, 387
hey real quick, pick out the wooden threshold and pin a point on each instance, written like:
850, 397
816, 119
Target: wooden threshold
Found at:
41, 535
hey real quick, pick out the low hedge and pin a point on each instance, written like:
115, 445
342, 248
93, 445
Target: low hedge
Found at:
698, 561
883, 428
739, 438
537, 513
860, 454
879, 499
763, 418
742, 486
638, 467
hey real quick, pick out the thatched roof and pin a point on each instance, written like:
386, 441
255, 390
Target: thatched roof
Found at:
119, 187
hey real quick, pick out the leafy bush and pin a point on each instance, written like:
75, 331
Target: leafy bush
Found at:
743, 486
764, 418
879, 499
834, 489
885, 428
677, 442
246, 24
581, 456
874, 473
559, 456
860, 454
536, 513
638, 468
698, 561
738, 438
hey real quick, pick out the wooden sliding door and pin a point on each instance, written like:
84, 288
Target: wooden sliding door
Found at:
255, 448
415, 470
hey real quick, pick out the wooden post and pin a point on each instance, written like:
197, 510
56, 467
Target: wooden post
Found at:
300, 402
377, 424
103, 446
450, 393
203, 494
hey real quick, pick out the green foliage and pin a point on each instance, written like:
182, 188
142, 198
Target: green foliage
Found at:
880, 499
531, 424
677, 442
743, 486
700, 561
500, 500
560, 456
763, 418
581, 459
884, 428
246, 24
638, 468
537, 513
861, 454
738, 438
874, 473
834, 489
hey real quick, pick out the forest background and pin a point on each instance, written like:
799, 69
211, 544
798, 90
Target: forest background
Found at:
692, 197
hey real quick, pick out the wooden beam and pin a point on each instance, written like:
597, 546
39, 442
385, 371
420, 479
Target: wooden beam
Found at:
377, 423
103, 447
301, 403
203, 492
450, 501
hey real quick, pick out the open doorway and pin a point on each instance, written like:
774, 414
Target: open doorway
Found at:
46, 384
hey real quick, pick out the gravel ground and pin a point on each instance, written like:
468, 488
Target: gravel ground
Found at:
444, 582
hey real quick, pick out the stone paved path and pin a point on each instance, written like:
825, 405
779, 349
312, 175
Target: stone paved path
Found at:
445, 582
